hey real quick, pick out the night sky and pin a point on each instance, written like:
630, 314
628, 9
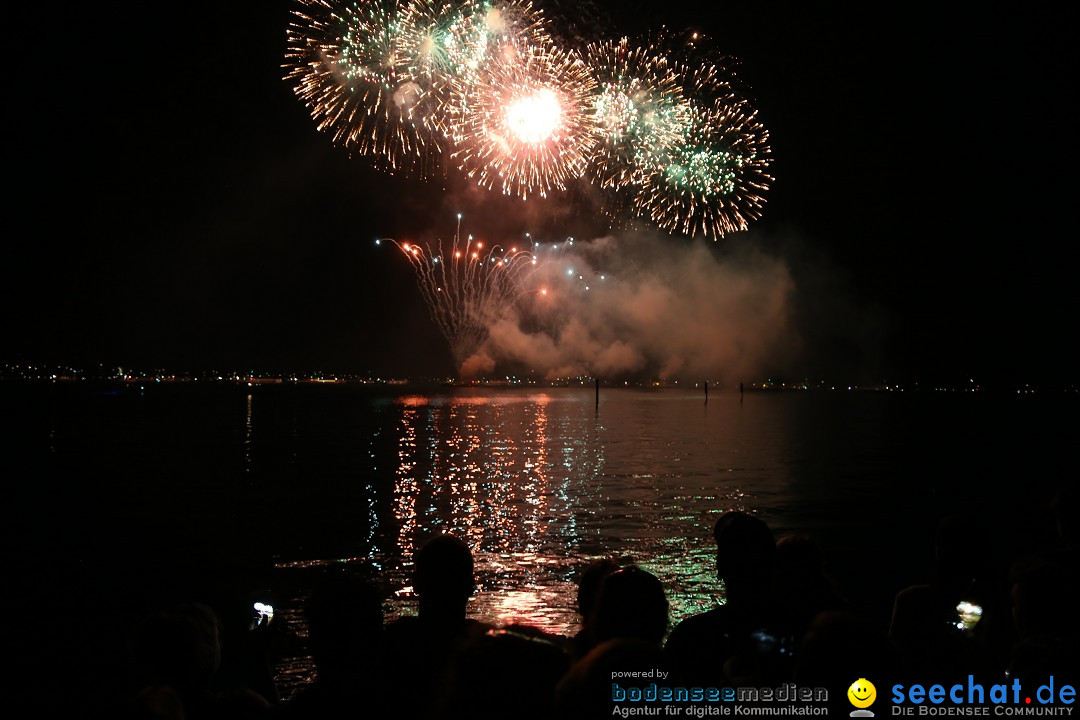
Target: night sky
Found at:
172, 204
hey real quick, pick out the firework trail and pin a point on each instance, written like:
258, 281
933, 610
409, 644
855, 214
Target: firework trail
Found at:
467, 286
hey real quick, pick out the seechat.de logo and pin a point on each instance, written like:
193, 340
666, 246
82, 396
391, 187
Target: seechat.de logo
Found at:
862, 694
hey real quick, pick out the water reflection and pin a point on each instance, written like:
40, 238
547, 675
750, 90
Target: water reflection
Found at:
249, 434
540, 484
405, 484
481, 467
526, 481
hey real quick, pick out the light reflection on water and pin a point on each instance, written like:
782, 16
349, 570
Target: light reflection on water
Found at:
541, 484
485, 468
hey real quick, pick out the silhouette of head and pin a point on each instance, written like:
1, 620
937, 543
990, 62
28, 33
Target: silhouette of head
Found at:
589, 587
443, 575
745, 549
631, 604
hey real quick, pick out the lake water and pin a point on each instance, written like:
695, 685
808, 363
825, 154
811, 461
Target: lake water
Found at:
266, 487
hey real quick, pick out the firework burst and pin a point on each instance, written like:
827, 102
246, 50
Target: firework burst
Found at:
439, 39
660, 126
446, 43
346, 62
523, 125
711, 181
678, 146
639, 110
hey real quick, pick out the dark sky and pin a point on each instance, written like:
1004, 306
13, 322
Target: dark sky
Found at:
173, 204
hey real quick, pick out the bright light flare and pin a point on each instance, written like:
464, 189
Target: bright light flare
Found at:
523, 124
536, 117
264, 613
968, 615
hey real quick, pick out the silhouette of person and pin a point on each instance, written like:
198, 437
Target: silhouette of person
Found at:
588, 590
924, 621
739, 641
422, 648
631, 604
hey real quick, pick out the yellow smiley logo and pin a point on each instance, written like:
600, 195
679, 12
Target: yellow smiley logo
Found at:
862, 693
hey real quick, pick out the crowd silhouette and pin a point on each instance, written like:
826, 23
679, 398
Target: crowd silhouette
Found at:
783, 620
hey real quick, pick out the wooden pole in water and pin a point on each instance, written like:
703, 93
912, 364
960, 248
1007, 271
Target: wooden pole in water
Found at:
597, 392
706, 392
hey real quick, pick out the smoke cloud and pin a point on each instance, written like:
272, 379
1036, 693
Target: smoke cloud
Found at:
639, 305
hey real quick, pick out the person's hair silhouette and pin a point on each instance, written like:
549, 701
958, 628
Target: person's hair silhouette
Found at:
631, 604
443, 579
739, 641
745, 551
